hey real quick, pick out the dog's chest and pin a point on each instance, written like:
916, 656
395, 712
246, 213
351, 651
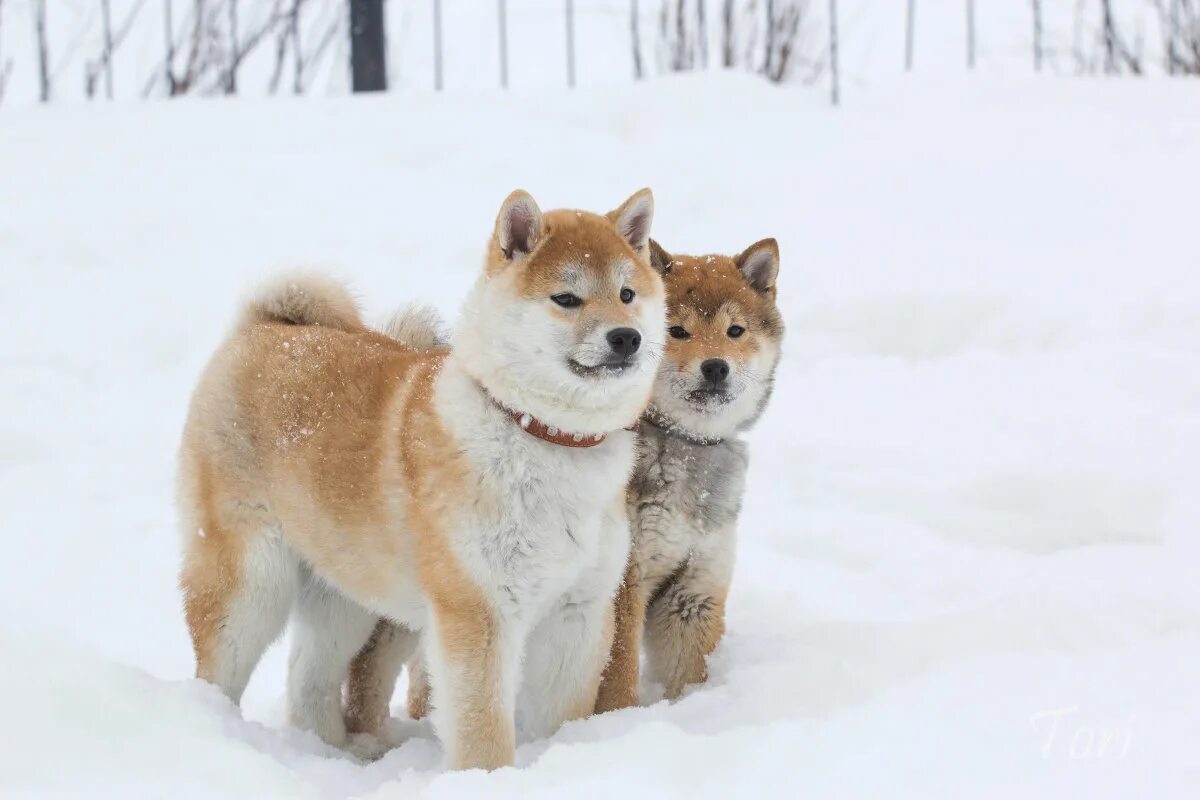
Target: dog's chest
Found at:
683, 496
539, 523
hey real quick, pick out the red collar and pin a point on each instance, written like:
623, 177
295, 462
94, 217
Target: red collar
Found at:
551, 434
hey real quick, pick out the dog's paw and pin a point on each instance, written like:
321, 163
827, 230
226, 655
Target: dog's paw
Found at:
367, 747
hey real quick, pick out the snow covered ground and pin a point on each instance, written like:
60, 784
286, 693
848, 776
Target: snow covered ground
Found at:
970, 554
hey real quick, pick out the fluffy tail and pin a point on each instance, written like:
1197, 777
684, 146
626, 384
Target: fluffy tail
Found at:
419, 327
304, 299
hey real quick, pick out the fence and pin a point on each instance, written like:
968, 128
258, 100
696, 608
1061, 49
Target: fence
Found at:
224, 46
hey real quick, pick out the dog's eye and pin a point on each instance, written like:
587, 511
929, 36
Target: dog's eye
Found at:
678, 332
627, 295
567, 300
735, 331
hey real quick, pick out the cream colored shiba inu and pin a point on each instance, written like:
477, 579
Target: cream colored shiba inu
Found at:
714, 381
473, 495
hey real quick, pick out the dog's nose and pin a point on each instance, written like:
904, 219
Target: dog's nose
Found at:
715, 370
624, 341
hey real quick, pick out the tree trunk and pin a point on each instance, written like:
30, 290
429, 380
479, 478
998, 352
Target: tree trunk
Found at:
833, 52
298, 62
106, 20
39, 25
234, 50
169, 62
635, 33
1037, 35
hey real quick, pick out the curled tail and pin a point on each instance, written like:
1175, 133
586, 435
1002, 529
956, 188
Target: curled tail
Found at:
418, 327
304, 299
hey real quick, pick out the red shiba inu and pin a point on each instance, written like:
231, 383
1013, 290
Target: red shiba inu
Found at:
714, 381
473, 495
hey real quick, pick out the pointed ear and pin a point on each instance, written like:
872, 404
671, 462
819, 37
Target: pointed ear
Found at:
519, 225
660, 259
633, 220
759, 264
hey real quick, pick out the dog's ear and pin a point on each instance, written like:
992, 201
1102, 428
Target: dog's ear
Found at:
759, 264
660, 259
633, 220
519, 225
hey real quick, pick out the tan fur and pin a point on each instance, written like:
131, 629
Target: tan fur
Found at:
619, 682
304, 299
372, 679
294, 415
682, 642
419, 327
315, 407
313, 441
212, 570
418, 689
705, 296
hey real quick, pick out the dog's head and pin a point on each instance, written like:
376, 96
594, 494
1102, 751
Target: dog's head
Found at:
724, 334
567, 321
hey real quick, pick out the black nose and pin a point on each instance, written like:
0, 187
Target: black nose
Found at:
624, 341
715, 370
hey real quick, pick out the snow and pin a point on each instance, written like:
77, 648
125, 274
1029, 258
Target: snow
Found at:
970, 551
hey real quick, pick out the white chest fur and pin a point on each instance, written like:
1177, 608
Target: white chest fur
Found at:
541, 516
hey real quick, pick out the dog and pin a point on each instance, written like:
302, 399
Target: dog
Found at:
714, 381
473, 496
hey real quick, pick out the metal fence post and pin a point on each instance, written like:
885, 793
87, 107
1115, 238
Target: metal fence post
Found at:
571, 44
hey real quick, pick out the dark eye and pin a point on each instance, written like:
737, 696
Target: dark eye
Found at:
678, 332
627, 295
567, 300
735, 331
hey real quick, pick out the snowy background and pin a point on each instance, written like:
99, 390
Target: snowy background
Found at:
970, 552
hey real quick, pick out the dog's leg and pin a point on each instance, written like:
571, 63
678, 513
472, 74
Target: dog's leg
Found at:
568, 649
418, 686
328, 631
563, 661
619, 683
238, 585
373, 674
473, 657
684, 622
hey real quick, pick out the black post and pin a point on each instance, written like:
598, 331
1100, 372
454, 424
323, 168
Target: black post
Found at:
368, 46
570, 44
503, 10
